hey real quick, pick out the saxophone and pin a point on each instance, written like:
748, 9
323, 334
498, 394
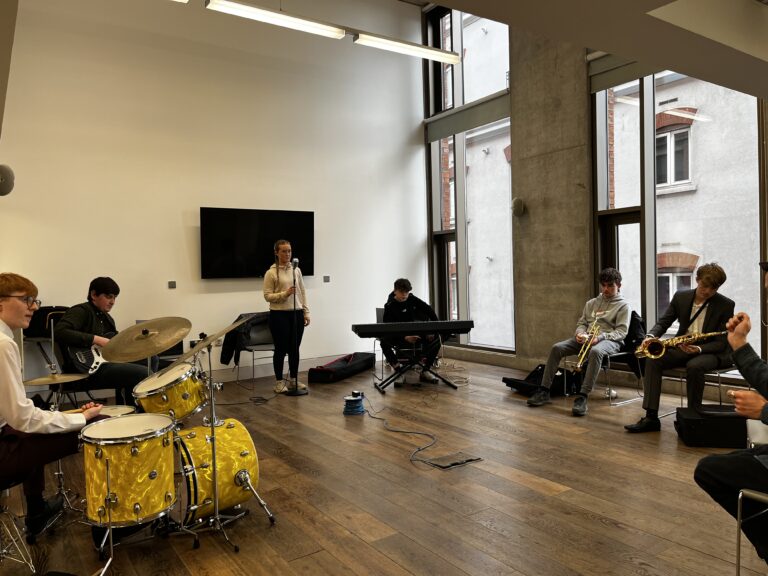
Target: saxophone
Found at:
654, 347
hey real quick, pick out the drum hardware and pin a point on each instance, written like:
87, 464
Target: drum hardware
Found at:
243, 478
217, 522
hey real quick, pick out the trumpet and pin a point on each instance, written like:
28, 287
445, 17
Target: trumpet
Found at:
654, 347
590, 336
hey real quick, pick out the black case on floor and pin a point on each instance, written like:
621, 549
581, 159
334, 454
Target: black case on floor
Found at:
532, 382
713, 426
342, 368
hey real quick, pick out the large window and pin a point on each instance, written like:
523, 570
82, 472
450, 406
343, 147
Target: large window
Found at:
471, 177
700, 185
489, 235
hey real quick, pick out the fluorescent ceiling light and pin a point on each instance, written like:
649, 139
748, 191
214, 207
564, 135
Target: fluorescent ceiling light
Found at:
408, 48
182, 1
276, 18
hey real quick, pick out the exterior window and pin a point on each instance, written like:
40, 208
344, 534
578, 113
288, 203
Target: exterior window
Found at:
471, 220
667, 283
673, 157
446, 43
447, 185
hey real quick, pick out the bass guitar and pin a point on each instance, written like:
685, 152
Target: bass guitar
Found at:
88, 360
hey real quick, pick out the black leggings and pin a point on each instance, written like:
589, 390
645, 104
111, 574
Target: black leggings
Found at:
287, 327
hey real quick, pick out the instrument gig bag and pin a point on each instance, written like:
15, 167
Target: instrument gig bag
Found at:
713, 426
531, 382
341, 368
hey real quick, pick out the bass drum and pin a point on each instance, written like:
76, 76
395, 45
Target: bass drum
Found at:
235, 458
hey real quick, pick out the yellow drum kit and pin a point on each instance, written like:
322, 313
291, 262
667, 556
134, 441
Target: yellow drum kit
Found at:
132, 460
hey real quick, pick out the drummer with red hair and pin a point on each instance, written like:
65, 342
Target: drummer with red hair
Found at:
30, 437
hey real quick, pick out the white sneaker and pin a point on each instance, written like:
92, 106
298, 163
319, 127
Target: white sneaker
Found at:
299, 384
281, 386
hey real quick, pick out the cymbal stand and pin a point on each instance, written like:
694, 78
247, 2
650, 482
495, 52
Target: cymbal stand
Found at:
67, 495
217, 521
109, 501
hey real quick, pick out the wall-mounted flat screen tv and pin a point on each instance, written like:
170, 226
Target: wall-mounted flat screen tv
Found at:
238, 243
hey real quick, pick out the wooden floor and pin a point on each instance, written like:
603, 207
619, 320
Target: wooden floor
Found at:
553, 495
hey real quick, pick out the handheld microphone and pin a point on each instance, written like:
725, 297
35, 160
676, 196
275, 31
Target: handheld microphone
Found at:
295, 263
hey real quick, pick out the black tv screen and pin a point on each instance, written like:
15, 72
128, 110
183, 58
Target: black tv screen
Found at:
238, 243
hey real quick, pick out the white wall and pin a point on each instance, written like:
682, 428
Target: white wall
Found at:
123, 117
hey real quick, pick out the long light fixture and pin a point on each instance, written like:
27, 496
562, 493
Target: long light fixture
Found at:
276, 18
330, 30
403, 47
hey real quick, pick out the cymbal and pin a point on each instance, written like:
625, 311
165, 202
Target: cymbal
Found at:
208, 340
146, 339
55, 379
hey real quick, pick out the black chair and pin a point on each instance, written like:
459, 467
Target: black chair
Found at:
42, 331
252, 336
626, 356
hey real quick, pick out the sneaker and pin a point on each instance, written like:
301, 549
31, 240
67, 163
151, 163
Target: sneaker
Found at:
645, 424
540, 397
427, 378
580, 406
281, 386
40, 521
300, 385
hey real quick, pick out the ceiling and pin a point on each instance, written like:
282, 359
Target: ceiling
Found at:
721, 41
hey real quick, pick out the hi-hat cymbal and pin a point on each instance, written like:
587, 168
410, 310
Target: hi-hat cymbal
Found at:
55, 379
146, 339
208, 340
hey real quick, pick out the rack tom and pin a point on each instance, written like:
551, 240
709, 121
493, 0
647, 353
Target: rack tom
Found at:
178, 392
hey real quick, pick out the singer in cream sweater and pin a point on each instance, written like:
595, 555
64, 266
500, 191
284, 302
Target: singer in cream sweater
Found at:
288, 313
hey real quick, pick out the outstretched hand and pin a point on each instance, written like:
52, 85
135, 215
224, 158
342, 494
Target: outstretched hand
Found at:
748, 403
738, 327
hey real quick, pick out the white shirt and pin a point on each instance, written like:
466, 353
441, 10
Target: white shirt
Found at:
697, 326
18, 410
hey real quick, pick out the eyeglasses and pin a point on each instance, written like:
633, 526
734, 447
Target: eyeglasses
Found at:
30, 301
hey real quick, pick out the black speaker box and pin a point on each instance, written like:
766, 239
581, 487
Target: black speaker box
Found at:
713, 426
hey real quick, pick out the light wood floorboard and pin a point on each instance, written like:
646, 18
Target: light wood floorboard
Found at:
554, 495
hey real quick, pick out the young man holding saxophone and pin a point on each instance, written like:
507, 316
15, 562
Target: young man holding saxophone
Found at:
701, 310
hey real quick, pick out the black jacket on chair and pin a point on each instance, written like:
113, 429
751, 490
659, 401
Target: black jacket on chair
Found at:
255, 331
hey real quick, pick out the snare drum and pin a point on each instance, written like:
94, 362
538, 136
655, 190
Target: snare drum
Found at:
177, 392
139, 450
117, 410
235, 453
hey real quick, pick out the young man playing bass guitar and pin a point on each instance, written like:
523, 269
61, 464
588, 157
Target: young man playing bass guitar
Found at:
90, 325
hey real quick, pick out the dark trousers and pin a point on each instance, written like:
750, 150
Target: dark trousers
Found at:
722, 476
122, 377
696, 366
425, 348
287, 327
23, 457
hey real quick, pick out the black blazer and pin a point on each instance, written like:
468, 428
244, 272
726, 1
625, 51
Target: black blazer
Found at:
719, 310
